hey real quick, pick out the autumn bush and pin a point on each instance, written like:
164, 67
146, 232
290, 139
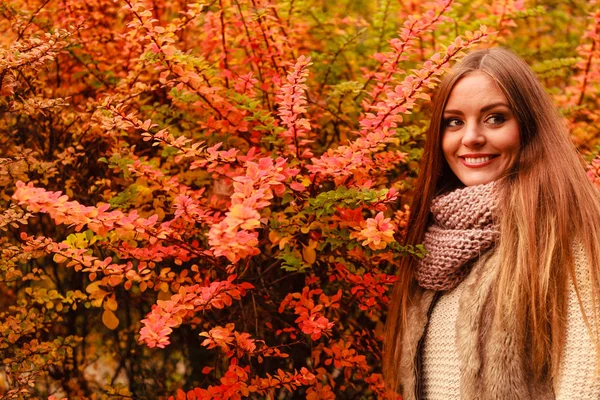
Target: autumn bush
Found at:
207, 199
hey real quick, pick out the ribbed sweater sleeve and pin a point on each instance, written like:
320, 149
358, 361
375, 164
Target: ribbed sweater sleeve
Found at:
578, 378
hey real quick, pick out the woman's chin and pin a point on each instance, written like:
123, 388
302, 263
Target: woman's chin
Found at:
477, 178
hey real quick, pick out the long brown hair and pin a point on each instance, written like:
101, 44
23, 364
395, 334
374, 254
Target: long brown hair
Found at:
548, 205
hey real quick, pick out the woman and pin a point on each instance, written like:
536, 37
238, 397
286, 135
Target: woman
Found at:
503, 305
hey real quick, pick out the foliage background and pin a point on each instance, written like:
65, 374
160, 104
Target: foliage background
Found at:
205, 199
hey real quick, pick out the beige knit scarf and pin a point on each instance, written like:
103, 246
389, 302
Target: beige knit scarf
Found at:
463, 228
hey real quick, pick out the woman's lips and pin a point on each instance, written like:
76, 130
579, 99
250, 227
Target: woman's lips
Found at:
477, 160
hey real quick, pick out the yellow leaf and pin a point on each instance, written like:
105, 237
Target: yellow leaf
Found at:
273, 237
96, 302
92, 287
110, 320
160, 212
284, 241
309, 254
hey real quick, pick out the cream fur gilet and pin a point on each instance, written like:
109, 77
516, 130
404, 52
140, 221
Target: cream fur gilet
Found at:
492, 360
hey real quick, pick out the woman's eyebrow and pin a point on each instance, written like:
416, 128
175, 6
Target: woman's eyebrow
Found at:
483, 109
494, 105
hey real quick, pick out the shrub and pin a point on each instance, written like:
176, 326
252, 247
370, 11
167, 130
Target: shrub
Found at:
207, 200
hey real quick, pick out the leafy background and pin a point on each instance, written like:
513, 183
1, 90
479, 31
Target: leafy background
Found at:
206, 199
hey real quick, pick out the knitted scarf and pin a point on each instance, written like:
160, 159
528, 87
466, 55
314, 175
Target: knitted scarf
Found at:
463, 228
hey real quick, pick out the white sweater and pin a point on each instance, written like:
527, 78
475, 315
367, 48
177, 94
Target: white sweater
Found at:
441, 368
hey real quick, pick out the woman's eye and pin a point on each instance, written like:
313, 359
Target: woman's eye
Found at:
496, 119
452, 122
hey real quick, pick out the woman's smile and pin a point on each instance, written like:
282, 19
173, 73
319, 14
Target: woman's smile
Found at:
477, 160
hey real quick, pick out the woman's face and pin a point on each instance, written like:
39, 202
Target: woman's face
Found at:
480, 134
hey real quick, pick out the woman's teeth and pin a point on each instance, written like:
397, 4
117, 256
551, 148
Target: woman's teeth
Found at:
478, 160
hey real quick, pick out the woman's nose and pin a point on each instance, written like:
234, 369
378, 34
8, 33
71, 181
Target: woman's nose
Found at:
473, 135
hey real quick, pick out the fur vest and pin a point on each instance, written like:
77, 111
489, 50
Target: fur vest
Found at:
491, 356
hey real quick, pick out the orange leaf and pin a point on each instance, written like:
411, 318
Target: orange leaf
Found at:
110, 304
114, 280
58, 258
110, 320
308, 252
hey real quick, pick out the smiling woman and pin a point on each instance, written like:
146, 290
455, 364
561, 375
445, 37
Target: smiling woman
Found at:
504, 305
480, 137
